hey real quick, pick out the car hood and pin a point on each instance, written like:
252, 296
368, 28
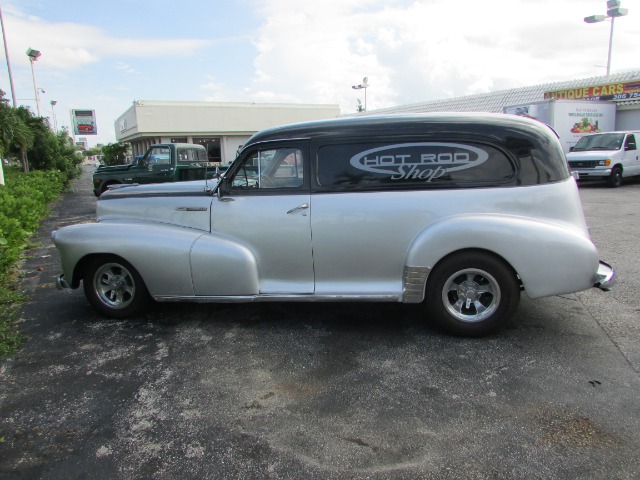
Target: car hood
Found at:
112, 168
185, 204
177, 189
591, 155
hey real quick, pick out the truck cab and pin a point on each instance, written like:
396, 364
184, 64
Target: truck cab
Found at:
605, 156
163, 162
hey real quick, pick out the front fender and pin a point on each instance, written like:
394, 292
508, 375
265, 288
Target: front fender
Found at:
550, 259
173, 261
160, 253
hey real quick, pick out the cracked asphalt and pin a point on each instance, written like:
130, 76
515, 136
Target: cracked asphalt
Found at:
326, 391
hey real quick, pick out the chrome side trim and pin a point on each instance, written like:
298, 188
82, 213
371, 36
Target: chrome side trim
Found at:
605, 277
278, 298
414, 280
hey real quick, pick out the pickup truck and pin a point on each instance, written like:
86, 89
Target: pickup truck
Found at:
163, 162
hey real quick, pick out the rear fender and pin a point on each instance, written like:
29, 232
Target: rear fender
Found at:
550, 259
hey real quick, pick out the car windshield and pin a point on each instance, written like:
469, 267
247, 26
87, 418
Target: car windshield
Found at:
606, 141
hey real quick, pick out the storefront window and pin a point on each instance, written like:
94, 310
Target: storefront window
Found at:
212, 144
179, 140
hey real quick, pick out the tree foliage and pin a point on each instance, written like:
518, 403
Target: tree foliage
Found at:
114, 154
30, 138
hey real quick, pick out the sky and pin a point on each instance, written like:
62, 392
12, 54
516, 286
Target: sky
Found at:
104, 55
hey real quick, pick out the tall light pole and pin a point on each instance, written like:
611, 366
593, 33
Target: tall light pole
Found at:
613, 11
364, 84
6, 54
33, 56
53, 110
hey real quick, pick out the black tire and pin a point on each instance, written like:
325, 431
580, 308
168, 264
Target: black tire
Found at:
615, 178
114, 288
472, 294
105, 187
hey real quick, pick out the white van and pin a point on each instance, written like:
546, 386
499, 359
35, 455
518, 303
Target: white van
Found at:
605, 156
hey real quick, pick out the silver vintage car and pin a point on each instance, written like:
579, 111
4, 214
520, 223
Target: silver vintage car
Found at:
459, 211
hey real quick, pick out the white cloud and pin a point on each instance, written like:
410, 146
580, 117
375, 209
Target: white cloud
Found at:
425, 49
70, 45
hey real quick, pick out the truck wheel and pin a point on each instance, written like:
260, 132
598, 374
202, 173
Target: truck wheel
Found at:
472, 294
114, 288
105, 187
615, 178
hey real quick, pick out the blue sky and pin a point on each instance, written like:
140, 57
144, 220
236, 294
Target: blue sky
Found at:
103, 55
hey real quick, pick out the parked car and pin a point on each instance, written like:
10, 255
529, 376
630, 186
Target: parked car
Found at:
163, 162
606, 156
460, 212
85, 128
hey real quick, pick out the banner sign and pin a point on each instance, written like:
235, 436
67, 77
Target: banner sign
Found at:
612, 91
84, 122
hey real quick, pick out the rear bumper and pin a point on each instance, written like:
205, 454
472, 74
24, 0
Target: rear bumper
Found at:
605, 277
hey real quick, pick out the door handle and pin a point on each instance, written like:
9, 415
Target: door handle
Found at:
304, 206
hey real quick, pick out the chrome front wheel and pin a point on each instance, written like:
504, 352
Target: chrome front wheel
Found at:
114, 287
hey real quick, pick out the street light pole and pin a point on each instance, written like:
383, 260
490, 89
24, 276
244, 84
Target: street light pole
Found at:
33, 56
364, 84
613, 10
53, 110
6, 53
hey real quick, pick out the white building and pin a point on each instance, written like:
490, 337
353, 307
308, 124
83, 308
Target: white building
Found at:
221, 127
621, 88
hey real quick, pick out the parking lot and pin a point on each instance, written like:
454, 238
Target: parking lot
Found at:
324, 391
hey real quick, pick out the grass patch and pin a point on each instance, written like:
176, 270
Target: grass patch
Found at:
10, 303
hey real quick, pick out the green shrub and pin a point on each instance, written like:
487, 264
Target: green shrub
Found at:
24, 202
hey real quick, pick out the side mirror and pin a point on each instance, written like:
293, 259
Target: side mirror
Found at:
571, 149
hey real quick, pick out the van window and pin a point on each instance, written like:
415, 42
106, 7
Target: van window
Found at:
604, 141
630, 143
412, 164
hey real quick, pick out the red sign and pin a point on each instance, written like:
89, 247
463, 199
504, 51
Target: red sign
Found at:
611, 91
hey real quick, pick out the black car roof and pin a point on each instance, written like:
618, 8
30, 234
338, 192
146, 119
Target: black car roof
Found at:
485, 124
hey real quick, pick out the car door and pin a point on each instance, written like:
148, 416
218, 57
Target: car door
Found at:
155, 167
631, 158
264, 204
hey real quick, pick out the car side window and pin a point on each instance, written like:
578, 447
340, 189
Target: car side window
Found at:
277, 168
630, 143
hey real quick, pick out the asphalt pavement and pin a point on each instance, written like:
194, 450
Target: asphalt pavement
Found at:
326, 391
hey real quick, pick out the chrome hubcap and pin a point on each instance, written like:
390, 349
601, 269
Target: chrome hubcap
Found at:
471, 295
114, 285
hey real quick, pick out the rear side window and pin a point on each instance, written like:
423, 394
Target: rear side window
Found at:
630, 143
412, 164
192, 155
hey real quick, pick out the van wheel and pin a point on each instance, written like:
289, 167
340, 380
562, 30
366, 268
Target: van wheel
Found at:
472, 294
114, 288
615, 178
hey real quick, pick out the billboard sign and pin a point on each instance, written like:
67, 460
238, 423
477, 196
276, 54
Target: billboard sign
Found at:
611, 91
84, 122
569, 118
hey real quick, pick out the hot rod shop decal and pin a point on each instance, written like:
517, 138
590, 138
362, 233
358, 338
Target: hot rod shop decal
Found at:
419, 161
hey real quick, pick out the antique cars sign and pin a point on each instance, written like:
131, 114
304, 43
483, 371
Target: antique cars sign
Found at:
458, 212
